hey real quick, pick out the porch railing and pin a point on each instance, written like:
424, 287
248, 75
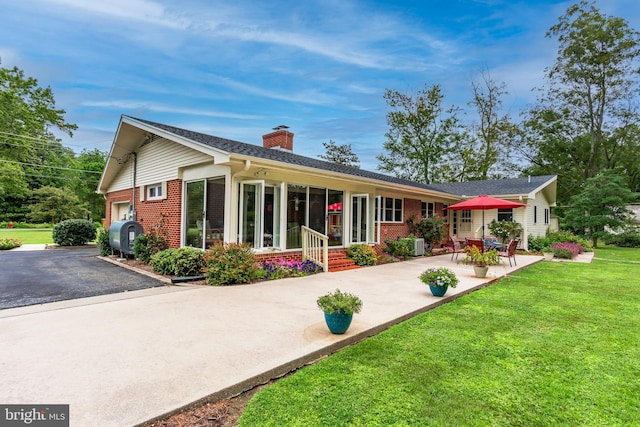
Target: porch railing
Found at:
315, 247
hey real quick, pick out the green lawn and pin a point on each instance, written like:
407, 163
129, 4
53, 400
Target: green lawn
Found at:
27, 235
555, 345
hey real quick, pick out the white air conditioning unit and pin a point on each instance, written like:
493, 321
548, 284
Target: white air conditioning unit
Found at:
418, 247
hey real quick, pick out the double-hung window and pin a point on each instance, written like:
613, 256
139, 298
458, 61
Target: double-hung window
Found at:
391, 209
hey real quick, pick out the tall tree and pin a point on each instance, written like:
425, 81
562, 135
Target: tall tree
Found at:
56, 204
421, 134
340, 154
577, 128
88, 167
601, 204
27, 145
494, 130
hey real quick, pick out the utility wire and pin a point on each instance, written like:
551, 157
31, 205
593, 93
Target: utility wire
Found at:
40, 140
44, 176
52, 167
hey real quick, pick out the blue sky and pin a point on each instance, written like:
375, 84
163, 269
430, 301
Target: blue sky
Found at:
236, 69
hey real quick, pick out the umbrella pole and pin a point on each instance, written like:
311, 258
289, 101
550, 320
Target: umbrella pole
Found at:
482, 229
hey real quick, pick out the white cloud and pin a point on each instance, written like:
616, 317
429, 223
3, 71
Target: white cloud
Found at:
129, 10
160, 108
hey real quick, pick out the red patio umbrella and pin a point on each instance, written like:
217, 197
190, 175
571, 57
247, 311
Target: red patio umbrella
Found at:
485, 202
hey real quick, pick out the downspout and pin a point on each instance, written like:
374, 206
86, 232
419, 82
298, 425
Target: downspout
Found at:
133, 190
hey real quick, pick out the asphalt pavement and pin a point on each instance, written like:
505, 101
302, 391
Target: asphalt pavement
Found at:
30, 277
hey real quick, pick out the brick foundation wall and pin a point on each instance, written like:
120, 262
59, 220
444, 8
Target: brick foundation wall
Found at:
290, 256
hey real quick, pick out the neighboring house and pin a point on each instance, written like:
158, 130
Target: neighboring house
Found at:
209, 189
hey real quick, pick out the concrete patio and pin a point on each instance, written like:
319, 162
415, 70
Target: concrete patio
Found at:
123, 359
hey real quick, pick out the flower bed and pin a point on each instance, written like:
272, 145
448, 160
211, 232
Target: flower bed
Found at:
281, 268
567, 250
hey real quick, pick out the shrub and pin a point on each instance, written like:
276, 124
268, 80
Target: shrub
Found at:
626, 239
19, 224
186, 261
103, 242
9, 243
362, 254
231, 264
432, 229
402, 248
537, 243
147, 245
156, 239
505, 230
567, 236
280, 269
567, 250
74, 232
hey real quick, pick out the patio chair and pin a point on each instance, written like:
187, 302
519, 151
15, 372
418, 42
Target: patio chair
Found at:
457, 247
510, 252
479, 243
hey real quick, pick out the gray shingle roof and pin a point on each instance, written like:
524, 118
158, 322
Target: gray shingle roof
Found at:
514, 186
241, 148
494, 187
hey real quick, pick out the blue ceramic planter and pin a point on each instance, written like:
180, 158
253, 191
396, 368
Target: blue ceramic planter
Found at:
338, 323
438, 291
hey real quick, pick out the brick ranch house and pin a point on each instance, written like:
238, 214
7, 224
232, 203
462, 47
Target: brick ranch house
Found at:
209, 189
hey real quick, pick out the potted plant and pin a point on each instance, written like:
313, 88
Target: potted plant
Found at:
339, 308
439, 279
481, 260
548, 253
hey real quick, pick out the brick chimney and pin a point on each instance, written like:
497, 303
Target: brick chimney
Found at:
281, 139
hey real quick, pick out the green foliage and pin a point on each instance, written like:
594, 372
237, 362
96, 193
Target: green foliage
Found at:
9, 243
339, 302
74, 232
601, 204
16, 224
185, 261
103, 242
586, 119
340, 154
482, 259
537, 243
420, 136
626, 239
402, 248
55, 204
153, 241
439, 276
32, 155
505, 230
281, 268
362, 254
231, 264
562, 252
431, 229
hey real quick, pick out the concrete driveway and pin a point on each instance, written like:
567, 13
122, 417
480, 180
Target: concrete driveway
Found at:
121, 360
29, 277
